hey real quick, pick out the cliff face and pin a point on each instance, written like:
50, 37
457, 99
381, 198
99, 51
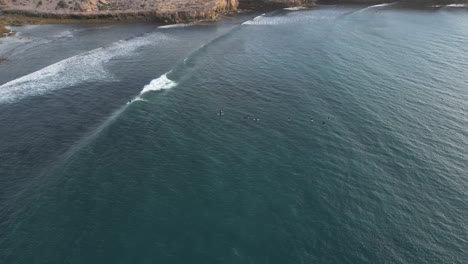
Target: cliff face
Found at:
165, 10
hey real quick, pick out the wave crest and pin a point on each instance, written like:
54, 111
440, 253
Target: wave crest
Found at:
252, 21
296, 8
181, 25
161, 83
457, 5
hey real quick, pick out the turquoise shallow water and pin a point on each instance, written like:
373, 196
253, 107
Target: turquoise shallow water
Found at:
343, 139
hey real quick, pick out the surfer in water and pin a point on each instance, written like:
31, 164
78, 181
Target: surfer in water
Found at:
220, 113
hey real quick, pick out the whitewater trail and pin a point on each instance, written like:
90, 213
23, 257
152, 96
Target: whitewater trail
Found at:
85, 67
379, 6
457, 5
327, 13
297, 8
181, 25
251, 22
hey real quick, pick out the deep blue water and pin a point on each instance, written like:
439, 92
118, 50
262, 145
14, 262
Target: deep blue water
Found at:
343, 138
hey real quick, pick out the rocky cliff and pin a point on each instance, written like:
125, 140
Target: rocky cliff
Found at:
163, 10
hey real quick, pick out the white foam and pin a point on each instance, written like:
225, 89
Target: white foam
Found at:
378, 6
292, 18
381, 5
89, 66
161, 83
64, 34
252, 21
296, 8
457, 5
70, 33
176, 25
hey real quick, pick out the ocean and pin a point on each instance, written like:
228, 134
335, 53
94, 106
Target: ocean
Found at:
333, 134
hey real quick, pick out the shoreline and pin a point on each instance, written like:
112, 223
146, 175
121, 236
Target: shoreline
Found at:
22, 17
107, 11
15, 20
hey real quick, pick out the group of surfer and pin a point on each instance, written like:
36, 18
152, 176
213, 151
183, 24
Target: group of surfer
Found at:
256, 119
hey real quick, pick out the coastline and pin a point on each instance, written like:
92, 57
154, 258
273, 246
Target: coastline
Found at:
160, 11
18, 17
20, 12
7, 20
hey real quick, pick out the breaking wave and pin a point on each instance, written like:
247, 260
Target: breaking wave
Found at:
296, 8
64, 34
457, 5
294, 17
164, 82
176, 26
86, 67
383, 5
380, 5
161, 83
252, 21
